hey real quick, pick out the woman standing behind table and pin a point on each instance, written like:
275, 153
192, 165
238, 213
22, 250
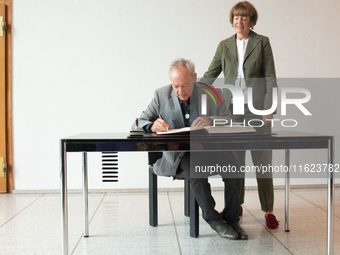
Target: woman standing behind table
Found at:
246, 60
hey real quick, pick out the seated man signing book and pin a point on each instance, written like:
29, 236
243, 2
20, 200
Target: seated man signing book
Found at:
179, 105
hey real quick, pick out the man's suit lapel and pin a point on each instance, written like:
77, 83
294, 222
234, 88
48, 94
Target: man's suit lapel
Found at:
254, 39
177, 108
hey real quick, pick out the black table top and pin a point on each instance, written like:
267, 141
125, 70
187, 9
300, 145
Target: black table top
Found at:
175, 142
146, 136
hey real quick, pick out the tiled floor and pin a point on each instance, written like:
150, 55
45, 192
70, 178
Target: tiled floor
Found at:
31, 224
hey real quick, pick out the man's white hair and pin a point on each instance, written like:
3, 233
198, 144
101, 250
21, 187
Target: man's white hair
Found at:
181, 62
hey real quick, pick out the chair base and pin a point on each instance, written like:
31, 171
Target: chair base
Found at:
190, 204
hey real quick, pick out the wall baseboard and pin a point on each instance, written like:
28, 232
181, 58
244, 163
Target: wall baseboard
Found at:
176, 189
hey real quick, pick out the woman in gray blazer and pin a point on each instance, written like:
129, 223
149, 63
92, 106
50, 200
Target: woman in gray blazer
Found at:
246, 60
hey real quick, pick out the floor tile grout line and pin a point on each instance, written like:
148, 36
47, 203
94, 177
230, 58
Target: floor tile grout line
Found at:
21, 210
173, 219
325, 210
82, 234
268, 230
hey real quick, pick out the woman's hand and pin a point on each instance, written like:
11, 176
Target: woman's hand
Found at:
266, 118
201, 122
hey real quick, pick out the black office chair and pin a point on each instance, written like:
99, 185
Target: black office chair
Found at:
190, 203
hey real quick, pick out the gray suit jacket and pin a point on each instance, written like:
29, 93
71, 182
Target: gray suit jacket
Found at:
166, 103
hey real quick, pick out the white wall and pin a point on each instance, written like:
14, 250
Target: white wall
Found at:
92, 66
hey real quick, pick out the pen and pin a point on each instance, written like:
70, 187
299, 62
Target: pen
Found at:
160, 116
136, 124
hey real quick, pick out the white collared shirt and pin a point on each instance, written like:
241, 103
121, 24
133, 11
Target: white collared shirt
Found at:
241, 49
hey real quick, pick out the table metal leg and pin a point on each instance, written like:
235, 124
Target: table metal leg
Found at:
85, 196
287, 193
330, 198
63, 193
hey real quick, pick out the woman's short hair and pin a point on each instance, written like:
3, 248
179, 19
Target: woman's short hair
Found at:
244, 9
181, 62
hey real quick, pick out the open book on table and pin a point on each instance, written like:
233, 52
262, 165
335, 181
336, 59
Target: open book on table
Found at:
225, 129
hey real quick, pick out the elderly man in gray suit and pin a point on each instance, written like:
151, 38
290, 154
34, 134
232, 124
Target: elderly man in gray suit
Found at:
179, 105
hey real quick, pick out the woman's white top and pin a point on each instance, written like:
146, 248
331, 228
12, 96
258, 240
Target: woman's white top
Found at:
241, 49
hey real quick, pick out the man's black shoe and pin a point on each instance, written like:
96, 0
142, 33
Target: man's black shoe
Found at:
224, 230
241, 233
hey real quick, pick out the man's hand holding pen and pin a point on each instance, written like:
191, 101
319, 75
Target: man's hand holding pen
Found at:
160, 125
